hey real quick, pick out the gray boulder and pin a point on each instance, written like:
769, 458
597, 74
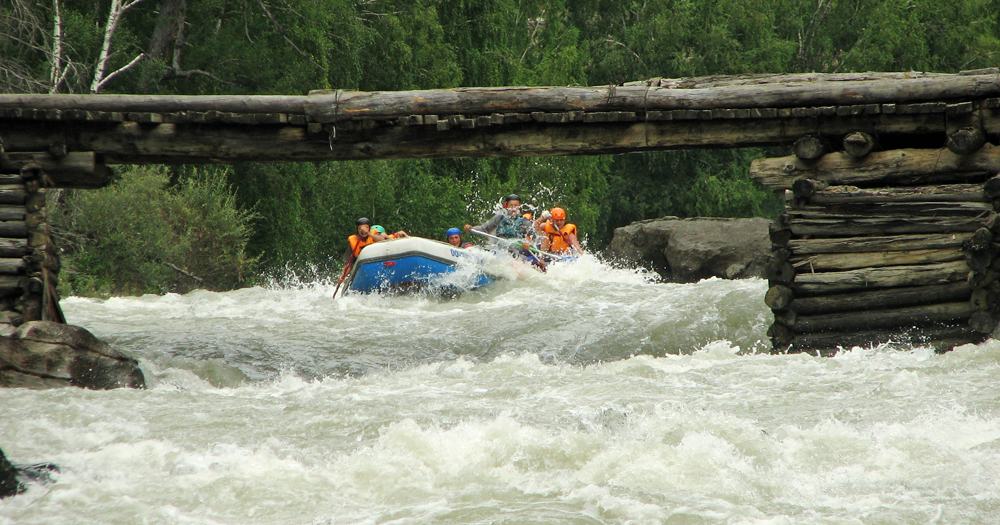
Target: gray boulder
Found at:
43, 354
687, 250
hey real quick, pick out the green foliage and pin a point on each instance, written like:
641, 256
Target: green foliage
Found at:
140, 235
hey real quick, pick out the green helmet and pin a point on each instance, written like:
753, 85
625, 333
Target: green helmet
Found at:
378, 228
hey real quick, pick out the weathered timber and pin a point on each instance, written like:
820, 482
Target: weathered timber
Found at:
809, 148
76, 169
11, 285
848, 226
940, 337
778, 297
900, 209
169, 143
884, 318
983, 322
12, 266
804, 188
901, 166
852, 261
878, 244
881, 299
333, 106
978, 260
858, 144
12, 213
992, 187
779, 271
780, 334
778, 234
14, 229
871, 278
13, 194
966, 141
14, 247
940, 193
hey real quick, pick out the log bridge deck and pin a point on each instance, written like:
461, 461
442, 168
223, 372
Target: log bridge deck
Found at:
890, 219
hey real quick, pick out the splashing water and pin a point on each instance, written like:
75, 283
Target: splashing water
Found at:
583, 395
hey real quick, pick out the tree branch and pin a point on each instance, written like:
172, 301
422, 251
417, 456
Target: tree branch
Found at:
122, 69
284, 34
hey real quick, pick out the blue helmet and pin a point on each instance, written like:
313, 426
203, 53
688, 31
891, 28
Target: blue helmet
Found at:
452, 231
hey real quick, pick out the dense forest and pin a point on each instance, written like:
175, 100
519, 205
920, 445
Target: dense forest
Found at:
159, 229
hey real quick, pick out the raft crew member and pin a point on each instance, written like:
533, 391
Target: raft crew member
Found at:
454, 236
559, 237
398, 235
508, 222
362, 238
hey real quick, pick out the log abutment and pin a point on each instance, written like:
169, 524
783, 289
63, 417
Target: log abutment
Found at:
29, 262
899, 246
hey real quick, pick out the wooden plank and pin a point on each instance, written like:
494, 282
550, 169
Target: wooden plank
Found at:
871, 278
898, 167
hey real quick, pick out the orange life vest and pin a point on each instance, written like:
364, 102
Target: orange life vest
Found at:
357, 244
559, 238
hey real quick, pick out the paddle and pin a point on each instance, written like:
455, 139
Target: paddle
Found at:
517, 243
347, 268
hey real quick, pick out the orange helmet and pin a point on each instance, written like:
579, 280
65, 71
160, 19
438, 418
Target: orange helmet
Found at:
558, 214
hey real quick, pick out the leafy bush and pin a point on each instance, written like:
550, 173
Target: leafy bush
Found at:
143, 234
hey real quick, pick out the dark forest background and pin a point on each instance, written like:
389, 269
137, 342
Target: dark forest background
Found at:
229, 225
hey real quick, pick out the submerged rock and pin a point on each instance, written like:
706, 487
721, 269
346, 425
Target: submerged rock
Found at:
9, 484
687, 250
43, 354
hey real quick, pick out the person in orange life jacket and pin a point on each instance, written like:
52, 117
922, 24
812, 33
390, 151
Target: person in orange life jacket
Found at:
557, 235
454, 236
364, 237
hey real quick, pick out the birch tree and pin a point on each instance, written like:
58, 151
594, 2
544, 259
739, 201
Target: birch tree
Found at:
115, 13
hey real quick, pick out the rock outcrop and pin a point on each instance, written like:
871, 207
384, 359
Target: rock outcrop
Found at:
9, 484
687, 250
44, 354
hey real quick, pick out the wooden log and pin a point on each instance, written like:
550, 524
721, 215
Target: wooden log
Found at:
902, 166
77, 169
12, 266
14, 247
779, 297
939, 193
882, 299
11, 285
848, 226
809, 148
978, 260
779, 271
779, 235
780, 334
895, 209
941, 337
13, 194
884, 318
805, 188
872, 278
14, 229
858, 144
966, 141
992, 187
879, 243
983, 322
851, 261
332, 106
12, 213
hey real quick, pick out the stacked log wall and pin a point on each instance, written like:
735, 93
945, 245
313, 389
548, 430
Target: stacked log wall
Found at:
29, 261
893, 246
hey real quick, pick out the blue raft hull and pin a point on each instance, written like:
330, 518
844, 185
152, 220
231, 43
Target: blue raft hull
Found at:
413, 263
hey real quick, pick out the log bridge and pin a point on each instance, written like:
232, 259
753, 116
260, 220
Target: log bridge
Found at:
890, 231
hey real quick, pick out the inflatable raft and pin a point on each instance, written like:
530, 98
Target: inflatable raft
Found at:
411, 263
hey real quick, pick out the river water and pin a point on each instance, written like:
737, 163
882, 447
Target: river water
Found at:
586, 395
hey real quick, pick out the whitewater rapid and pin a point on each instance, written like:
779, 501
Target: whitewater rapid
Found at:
586, 395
